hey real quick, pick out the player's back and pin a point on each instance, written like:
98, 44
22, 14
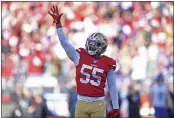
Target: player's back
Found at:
91, 73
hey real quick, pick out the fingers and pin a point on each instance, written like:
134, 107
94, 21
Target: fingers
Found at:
61, 15
50, 13
54, 8
57, 9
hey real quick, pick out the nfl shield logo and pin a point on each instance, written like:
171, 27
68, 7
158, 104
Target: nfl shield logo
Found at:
95, 61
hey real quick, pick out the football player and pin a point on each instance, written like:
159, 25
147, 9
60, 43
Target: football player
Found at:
92, 71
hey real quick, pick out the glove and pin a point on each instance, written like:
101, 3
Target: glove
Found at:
55, 14
114, 113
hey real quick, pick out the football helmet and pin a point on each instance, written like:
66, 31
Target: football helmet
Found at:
96, 44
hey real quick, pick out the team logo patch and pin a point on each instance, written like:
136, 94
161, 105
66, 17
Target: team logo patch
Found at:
95, 61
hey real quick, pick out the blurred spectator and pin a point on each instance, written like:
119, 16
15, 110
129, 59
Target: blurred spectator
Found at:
17, 113
134, 102
7, 66
152, 66
22, 98
170, 100
158, 95
38, 108
25, 102
52, 64
17, 96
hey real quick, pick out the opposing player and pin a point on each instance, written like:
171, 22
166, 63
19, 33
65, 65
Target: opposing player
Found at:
92, 71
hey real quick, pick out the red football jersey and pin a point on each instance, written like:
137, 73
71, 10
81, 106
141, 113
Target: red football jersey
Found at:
91, 73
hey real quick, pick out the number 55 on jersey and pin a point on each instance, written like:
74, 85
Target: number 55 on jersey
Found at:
92, 77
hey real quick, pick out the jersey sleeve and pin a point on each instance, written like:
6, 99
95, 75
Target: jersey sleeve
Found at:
112, 64
79, 50
80, 53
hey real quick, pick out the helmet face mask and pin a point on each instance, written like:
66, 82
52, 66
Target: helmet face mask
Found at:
96, 44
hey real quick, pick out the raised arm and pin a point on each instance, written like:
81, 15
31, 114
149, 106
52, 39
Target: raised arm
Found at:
69, 49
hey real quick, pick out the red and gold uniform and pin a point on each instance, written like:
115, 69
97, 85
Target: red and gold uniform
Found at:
91, 74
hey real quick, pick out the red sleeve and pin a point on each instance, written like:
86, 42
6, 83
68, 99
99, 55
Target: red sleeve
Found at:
112, 64
81, 53
78, 50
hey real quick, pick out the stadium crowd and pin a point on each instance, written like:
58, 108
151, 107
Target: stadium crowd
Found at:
140, 36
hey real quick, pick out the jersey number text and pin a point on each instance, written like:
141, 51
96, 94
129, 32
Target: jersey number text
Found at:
94, 71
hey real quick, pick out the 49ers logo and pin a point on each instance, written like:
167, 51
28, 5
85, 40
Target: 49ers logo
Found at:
94, 71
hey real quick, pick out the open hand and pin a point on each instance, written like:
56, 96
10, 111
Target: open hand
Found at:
55, 14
